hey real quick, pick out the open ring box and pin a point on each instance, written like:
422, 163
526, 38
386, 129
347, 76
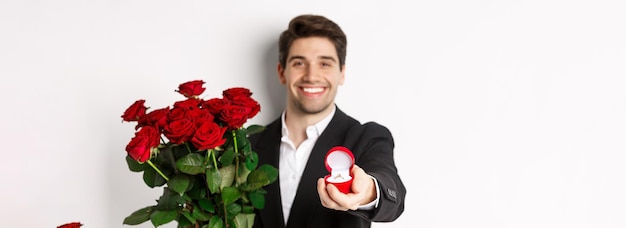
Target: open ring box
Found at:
339, 161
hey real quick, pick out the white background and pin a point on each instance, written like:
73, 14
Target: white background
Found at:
505, 113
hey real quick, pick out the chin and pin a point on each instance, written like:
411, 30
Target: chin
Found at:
317, 109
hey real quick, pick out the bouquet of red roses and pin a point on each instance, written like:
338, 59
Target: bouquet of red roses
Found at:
198, 151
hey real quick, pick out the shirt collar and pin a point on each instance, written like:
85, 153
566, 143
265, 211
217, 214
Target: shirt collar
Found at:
317, 128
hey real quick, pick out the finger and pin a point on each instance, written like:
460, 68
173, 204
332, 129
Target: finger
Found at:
342, 200
325, 199
361, 180
332, 198
362, 186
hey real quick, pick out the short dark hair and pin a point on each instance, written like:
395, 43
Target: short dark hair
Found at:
309, 25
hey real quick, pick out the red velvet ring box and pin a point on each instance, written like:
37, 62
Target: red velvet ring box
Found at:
339, 161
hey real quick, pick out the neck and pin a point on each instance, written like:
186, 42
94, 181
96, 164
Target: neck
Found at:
297, 118
297, 121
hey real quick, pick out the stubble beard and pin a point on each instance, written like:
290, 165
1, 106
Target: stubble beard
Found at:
311, 109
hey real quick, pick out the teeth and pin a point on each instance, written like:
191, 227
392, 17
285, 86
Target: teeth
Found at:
313, 90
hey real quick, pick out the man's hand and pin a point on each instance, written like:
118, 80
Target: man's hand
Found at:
363, 192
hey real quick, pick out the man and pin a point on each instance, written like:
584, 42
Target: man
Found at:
311, 67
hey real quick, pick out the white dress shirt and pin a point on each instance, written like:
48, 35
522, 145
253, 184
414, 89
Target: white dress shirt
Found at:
293, 161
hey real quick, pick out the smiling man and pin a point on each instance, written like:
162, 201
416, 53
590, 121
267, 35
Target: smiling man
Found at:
312, 73
311, 66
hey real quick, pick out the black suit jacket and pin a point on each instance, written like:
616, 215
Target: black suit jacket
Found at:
372, 145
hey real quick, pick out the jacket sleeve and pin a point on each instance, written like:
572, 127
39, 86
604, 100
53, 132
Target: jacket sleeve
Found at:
373, 146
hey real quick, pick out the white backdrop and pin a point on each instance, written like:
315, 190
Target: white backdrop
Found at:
505, 113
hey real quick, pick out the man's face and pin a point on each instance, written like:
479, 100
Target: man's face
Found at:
312, 75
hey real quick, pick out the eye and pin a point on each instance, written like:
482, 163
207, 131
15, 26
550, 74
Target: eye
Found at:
297, 63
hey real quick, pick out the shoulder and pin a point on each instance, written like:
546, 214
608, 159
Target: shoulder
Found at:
370, 129
355, 127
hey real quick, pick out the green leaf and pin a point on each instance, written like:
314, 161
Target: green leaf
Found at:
189, 217
159, 218
243, 174
152, 178
140, 216
233, 209
200, 215
258, 178
213, 180
254, 129
166, 158
183, 221
135, 166
244, 220
250, 218
206, 204
191, 164
258, 199
169, 201
228, 176
247, 209
252, 160
242, 138
247, 149
230, 194
179, 183
271, 171
227, 157
216, 222
198, 189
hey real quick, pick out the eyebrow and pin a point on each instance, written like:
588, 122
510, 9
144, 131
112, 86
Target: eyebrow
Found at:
324, 57
328, 58
295, 57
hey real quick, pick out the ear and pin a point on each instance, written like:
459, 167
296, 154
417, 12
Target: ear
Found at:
342, 75
281, 74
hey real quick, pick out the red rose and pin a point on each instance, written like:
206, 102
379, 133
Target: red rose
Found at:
156, 118
179, 131
177, 114
199, 116
191, 88
215, 105
135, 111
189, 103
71, 225
183, 108
247, 102
234, 116
209, 135
140, 146
236, 92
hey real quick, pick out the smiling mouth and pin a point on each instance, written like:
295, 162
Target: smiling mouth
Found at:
313, 89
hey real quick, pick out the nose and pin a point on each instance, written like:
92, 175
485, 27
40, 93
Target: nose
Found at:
311, 74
